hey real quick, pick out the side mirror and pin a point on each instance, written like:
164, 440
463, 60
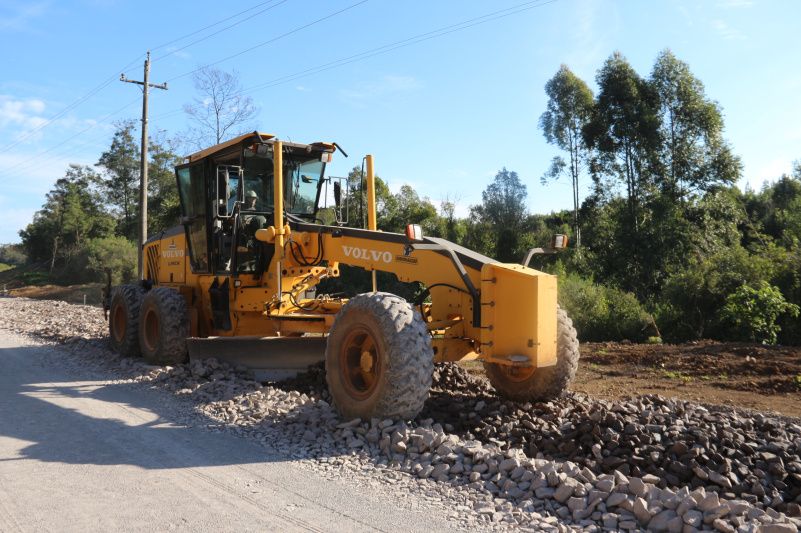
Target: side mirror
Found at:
337, 195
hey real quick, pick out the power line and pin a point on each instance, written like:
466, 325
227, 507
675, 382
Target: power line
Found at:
416, 39
404, 43
204, 28
65, 141
64, 111
286, 34
209, 36
272, 40
108, 81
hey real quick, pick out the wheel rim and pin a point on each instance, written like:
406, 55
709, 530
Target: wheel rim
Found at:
360, 364
516, 374
118, 320
150, 330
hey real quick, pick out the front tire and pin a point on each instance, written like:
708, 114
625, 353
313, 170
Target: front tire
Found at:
378, 359
540, 384
164, 327
123, 319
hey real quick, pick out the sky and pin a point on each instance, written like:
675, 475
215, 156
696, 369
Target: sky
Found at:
443, 93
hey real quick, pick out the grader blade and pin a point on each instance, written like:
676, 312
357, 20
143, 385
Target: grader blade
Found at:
270, 358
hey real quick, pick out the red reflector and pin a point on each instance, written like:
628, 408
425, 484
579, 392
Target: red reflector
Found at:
414, 232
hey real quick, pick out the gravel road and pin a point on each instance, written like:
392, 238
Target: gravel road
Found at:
470, 459
93, 455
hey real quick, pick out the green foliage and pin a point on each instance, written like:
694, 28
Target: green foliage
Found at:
5, 266
73, 213
603, 313
570, 108
163, 208
13, 254
754, 311
121, 181
115, 254
501, 214
693, 155
35, 277
689, 304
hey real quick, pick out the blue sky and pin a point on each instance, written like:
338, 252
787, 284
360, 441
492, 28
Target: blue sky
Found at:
443, 115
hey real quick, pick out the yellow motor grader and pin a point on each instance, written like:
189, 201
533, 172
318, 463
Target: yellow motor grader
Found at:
237, 281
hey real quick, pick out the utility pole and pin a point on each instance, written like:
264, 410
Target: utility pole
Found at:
143, 163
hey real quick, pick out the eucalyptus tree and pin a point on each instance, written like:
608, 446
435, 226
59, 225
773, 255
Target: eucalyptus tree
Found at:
570, 107
624, 133
693, 155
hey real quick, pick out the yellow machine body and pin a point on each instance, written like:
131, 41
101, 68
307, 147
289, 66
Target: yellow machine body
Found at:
478, 309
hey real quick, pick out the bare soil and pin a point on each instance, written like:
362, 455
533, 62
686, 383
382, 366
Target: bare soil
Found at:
754, 376
66, 293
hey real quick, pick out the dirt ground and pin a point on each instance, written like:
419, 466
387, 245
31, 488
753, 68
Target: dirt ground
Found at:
73, 294
766, 378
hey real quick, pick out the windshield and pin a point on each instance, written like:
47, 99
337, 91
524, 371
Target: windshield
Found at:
302, 176
304, 182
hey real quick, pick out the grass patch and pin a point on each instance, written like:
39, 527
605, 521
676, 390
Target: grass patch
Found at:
674, 374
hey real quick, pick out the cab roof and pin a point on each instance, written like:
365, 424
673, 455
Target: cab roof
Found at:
265, 137
222, 146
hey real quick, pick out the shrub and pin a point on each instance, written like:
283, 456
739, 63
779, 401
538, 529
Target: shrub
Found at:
117, 254
603, 313
691, 300
753, 312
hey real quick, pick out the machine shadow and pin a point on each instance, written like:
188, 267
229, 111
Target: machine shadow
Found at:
73, 422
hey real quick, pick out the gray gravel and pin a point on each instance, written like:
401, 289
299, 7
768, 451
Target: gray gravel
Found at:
577, 463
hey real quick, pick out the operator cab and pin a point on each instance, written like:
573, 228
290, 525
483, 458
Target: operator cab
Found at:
227, 194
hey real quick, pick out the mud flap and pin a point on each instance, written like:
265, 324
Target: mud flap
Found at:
220, 310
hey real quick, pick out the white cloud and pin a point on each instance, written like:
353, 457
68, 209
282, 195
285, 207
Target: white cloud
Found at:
21, 113
727, 32
387, 87
20, 119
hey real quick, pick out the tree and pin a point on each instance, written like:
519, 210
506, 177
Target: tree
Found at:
570, 106
164, 208
72, 215
693, 155
121, 163
221, 111
116, 255
624, 132
406, 207
502, 212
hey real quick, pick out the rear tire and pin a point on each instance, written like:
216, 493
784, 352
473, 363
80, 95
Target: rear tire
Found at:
123, 319
378, 359
540, 384
164, 327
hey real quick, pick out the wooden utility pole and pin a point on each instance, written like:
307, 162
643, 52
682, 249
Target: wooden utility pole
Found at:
143, 162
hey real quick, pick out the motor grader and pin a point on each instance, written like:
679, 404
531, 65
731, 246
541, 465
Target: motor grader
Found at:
236, 281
